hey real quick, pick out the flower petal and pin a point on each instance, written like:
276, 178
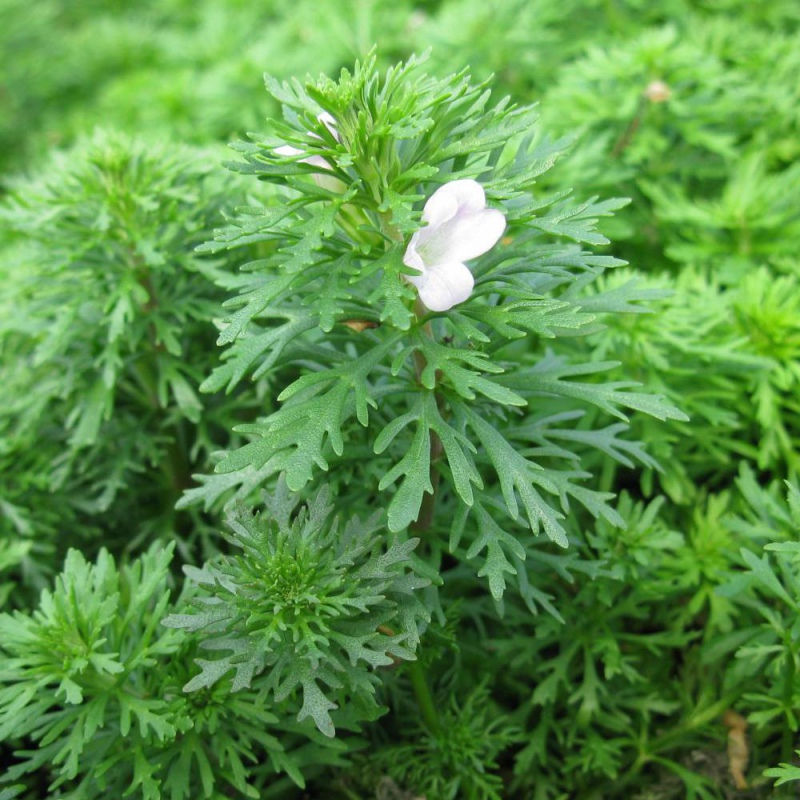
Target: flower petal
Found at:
330, 123
443, 286
464, 237
440, 208
287, 150
316, 161
412, 258
454, 197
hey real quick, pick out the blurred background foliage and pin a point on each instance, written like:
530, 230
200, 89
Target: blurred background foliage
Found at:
691, 108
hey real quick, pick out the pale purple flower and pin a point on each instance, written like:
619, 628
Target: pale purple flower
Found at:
459, 228
317, 161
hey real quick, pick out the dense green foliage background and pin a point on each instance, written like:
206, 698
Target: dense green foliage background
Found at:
611, 668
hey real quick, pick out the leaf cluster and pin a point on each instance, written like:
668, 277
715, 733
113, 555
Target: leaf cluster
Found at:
604, 670
443, 400
316, 606
91, 696
104, 333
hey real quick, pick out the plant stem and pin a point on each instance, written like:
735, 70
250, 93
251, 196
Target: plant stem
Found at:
787, 739
145, 375
428, 507
419, 683
422, 692
629, 132
426, 512
678, 737
179, 469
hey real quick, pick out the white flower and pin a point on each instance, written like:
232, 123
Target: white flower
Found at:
459, 228
317, 161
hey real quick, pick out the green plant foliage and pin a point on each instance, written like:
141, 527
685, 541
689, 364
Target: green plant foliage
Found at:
507, 517
94, 681
311, 603
106, 315
769, 586
81, 656
784, 773
458, 759
741, 340
698, 123
346, 244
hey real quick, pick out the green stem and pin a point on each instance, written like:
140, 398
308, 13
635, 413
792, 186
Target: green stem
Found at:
422, 524
426, 512
145, 376
388, 227
428, 506
633, 126
175, 464
787, 740
680, 733
422, 692
178, 470
419, 683
677, 737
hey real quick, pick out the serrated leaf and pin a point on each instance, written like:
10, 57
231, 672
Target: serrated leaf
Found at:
463, 370
516, 476
210, 672
547, 378
414, 468
487, 133
212, 488
624, 299
309, 236
783, 772
541, 317
90, 415
236, 235
764, 574
579, 222
607, 441
415, 464
496, 542
315, 704
320, 404
248, 348
394, 295
254, 303
784, 547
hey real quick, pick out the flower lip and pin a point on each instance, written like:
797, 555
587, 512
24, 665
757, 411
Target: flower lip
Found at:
318, 161
330, 123
460, 227
322, 179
